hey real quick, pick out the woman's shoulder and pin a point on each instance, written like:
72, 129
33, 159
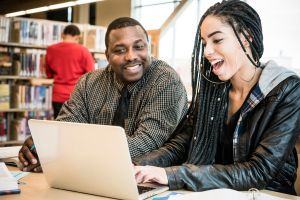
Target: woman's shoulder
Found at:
274, 77
289, 88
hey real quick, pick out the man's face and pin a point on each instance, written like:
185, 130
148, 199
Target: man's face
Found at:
127, 53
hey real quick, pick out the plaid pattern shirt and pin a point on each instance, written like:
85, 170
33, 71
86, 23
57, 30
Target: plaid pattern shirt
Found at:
255, 97
157, 104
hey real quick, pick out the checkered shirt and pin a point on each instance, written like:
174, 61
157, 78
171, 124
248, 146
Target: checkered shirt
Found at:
157, 104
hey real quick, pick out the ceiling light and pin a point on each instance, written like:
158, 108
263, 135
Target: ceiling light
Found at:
16, 14
36, 10
79, 2
51, 7
61, 5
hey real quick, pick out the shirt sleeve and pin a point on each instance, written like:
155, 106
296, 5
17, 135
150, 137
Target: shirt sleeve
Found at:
89, 63
49, 72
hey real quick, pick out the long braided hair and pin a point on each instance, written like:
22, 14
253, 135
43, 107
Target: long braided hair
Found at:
208, 109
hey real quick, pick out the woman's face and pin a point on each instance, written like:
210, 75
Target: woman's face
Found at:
221, 48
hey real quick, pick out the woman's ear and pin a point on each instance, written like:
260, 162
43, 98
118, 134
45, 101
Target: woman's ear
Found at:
246, 38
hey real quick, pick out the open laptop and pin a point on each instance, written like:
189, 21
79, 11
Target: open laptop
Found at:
87, 158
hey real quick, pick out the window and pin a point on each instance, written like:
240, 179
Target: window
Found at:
153, 13
281, 29
279, 22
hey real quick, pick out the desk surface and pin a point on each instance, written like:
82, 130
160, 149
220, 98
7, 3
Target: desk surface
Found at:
34, 187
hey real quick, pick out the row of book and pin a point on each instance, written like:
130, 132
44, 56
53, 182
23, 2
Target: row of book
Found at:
4, 29
22, 62
25, 96
28, 31
15, 128
46, 32
30, 62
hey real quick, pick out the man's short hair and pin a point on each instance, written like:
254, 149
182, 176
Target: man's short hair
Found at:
71, 30
122, 22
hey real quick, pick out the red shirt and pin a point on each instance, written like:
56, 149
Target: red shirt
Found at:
66, 62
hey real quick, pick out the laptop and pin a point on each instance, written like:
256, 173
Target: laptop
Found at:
88, 158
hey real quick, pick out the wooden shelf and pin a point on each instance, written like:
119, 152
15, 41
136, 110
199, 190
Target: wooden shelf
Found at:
6, 77
33, 46
96, 51
41, 81
11, 143
23, 110
14, 44
33, 80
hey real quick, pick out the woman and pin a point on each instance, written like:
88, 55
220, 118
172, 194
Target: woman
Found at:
244, 118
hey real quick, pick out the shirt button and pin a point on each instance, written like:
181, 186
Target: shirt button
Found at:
219, 99
212, 118
195, 138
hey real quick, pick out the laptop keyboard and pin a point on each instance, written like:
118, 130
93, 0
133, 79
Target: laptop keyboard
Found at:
143, 189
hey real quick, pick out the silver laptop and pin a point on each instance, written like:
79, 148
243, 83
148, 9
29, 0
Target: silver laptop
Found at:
87, 158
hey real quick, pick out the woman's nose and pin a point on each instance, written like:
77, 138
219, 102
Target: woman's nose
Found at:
208, 50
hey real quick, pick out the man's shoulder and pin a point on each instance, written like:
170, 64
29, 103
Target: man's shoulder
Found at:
58, 44
102, 74
163, 69
67, 45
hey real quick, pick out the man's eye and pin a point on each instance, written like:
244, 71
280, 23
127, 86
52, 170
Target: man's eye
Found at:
141, 46
119, 51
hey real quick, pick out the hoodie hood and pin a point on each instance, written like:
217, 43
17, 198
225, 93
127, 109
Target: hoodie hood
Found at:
272, 74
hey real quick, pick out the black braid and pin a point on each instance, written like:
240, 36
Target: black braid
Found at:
208, 108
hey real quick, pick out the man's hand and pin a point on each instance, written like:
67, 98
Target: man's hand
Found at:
28, 157
144, 174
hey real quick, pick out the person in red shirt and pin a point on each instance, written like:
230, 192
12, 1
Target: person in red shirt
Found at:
66, 61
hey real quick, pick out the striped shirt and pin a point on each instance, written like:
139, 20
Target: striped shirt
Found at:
157, 104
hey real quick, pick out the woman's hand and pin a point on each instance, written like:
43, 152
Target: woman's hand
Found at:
145, 174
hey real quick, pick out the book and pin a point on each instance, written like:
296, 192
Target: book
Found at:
4, 96
9, 155
8, 183
226, 194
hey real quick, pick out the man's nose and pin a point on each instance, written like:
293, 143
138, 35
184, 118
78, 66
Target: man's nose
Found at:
130, 55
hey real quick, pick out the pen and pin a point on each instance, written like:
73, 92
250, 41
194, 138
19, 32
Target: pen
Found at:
32, 147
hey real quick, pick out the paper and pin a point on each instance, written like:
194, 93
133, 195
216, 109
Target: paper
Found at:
224, 194
166, 196
9, 152
19, 174
9, 155
8, 183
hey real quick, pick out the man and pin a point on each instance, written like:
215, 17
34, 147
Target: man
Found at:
66, 61
157, 102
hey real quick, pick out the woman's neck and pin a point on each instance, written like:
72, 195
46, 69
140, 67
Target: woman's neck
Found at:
244, 80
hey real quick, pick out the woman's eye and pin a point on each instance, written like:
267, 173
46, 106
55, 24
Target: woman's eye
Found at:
217, 41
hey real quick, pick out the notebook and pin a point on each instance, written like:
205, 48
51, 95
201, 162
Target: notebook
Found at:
87, 158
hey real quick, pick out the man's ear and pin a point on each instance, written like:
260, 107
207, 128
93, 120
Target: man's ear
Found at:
107, 55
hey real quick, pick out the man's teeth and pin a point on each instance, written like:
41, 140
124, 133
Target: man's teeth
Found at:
133, 66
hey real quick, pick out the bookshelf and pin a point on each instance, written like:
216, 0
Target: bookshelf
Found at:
25, 92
